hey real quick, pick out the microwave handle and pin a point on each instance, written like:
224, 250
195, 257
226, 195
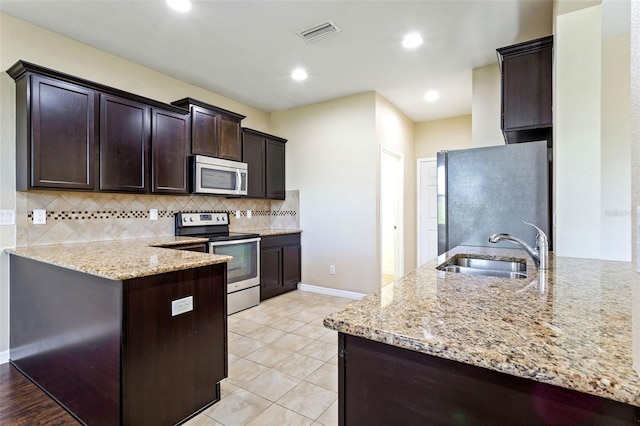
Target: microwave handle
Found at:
238, 181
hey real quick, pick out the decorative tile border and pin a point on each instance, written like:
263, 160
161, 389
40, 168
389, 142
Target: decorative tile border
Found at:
144, 214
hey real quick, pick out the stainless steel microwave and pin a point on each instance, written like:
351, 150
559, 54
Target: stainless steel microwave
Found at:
218, 176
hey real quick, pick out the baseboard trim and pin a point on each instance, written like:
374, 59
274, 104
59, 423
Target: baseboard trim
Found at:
331, 291
4, 357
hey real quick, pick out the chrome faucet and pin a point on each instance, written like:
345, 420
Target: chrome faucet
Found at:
540, 254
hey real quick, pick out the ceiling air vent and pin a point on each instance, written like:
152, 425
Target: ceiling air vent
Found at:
318, 31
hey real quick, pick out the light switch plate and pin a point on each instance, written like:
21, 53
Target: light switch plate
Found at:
237, 214
153, 214
249, 214
39, 217
7, 217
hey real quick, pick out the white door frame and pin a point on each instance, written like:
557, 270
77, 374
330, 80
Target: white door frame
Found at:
399, 253
418, 192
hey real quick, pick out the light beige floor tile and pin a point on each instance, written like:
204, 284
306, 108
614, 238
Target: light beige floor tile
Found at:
333, 360
240, 326
267, 334
287, 325
330, 337
243, 346
330, 415
232, 336
299, 366
325, 376
319, 350
244, 370
226, 387
312, 331
291, 342
238, 408
269, 355
272, 384
308, 400
202, 420
276, 415
265, 318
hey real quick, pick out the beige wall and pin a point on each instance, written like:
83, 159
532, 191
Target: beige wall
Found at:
485, 107
635, 133
437, 135
332, 158
22, 41
615, 148
395, 131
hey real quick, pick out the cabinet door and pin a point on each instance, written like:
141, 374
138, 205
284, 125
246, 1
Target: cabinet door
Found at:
230, 146
204, 132
169, 150
527, 90
63, 140
274, 170
291, 266
124, 144
253, 153
270, 272
157, 340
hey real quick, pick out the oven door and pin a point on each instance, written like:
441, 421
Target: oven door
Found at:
244, 270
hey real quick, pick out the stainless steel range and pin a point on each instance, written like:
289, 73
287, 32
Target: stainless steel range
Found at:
243, 272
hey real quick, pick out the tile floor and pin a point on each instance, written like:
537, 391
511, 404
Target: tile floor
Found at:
283, 365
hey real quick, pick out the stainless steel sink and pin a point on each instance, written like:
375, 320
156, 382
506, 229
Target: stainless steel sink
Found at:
487, 267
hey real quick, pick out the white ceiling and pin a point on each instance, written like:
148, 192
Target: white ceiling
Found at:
246, 50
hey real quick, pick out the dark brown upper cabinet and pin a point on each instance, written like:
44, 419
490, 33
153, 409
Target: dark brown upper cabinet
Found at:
76, 134
265, 156
55, 133
169, 152
124, 144
527, 90
215, 132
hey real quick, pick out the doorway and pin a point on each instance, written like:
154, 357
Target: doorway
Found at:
391, 214
427, 209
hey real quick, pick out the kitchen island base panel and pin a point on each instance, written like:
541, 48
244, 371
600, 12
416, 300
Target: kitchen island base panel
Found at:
380, 384
110, 351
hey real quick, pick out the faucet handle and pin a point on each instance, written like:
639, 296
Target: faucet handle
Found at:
542, 237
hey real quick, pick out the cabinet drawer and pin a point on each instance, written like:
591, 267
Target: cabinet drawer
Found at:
280, 240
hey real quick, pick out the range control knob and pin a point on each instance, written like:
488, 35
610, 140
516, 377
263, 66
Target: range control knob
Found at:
190, 219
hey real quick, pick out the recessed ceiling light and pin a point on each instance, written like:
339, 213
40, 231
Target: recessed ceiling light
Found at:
412, 40
431, 96
299, 74
179, 5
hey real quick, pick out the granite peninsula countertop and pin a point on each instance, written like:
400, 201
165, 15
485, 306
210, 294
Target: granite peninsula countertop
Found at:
266, 232
122, 259
570, 326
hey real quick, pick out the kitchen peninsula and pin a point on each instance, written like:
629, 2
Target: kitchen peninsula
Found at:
121, 332
437, 347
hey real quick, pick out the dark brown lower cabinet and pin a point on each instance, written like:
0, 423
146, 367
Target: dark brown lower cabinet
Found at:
380, 384
111, 352
280, 264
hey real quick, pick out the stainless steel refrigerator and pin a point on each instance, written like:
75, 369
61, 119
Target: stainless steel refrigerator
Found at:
489, 190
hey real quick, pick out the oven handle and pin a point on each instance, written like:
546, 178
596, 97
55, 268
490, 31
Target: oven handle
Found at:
233, 242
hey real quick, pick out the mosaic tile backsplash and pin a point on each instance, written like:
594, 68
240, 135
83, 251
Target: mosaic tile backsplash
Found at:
74, 217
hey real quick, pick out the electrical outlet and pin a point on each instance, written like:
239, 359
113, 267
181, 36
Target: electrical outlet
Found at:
181, 306
39, 217
237, 214
332, 269
153, 214
249, 214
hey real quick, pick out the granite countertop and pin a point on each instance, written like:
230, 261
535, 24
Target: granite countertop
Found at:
569, 326
122, 259
269, 232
